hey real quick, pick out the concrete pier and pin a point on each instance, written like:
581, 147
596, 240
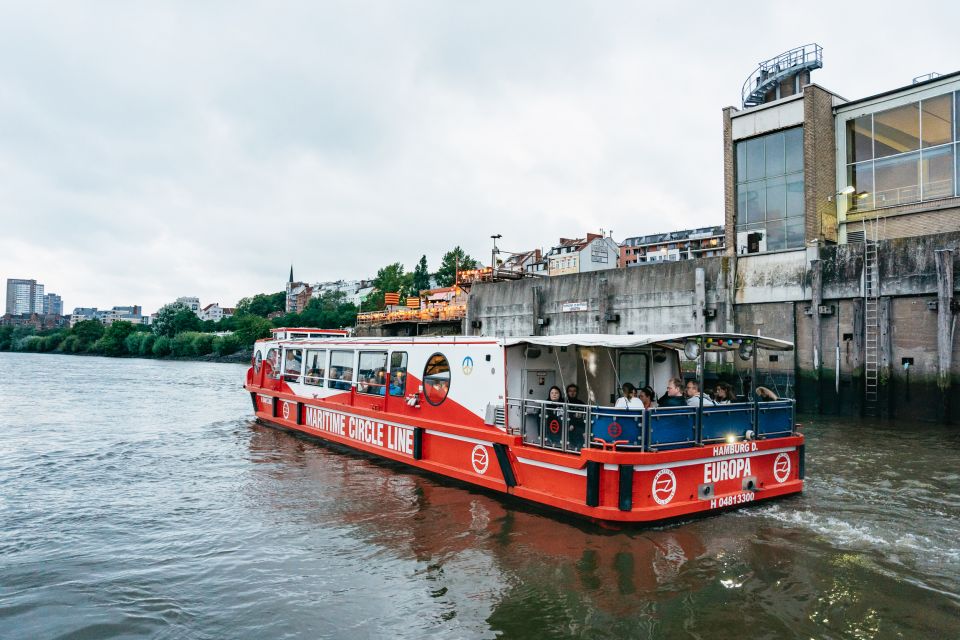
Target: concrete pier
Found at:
779, 295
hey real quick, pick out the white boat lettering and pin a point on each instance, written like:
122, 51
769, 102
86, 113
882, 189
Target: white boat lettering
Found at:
726, 470
325, 420
729, 501
737, 447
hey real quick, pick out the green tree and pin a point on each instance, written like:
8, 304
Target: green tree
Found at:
175, 318
421, 277
262, 304
453, 260
87, 332
251, 328
111, 343
161, 346
390, 279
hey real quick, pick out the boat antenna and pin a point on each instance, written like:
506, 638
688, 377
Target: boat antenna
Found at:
563, 385
616, 374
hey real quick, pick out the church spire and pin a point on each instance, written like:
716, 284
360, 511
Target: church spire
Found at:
291, 274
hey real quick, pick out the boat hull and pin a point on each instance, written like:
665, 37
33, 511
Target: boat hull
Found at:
602, 484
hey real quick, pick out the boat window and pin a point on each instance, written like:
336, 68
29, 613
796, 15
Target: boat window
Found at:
634, 368
316, 367
436, 379
398, 373
373, 372
273, 362
292, 364
341, 370
257, 361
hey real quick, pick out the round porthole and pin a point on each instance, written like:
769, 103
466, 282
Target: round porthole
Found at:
436, 379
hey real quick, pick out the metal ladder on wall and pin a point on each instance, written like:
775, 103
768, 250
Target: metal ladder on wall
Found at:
871, 322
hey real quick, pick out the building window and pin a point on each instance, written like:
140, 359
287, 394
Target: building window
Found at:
905, 154
770, 191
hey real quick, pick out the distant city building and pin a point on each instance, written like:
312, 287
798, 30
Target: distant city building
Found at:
132, 313
704, 242
575, 255
193, 303
215, 312
52, 303
24, 297
36, 320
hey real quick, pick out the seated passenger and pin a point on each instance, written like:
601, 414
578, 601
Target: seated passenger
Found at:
724, 394
397, 383
629, 399
648, 397
694, 396
291, 368
765, 395
674, 395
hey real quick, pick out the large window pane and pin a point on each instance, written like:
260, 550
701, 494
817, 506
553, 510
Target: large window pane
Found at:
897, 180
741, 204
776, 235
937, 170
756, 201
860, 177
774, 153
793, 145
794, 233
776, 198
860, 139
341, 370
741, 162
896, 130
795, 195
755, 163
937, 120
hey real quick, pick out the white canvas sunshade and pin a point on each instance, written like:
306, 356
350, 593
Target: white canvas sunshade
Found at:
669, 341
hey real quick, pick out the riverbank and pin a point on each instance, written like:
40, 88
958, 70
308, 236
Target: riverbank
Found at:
243, 356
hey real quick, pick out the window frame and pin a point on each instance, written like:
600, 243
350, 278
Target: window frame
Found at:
364, 387
318, 381
449, 373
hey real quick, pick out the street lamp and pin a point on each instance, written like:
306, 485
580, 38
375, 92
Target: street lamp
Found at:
493, 255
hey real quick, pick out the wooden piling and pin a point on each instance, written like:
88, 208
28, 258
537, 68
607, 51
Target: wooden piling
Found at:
816, 299
944, 260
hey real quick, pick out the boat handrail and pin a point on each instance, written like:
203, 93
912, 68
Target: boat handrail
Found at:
572, 427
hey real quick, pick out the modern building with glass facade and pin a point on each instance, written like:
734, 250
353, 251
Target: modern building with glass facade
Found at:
814, 167
897, 152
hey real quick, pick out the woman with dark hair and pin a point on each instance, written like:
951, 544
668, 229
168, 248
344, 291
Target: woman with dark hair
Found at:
724, 393
648, 397
629, 399
555, 394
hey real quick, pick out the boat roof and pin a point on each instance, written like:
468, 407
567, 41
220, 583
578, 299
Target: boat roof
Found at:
715, 341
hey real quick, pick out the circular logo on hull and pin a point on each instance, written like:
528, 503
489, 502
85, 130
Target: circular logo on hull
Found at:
480, 459
614, 429
781, 468
286, 410
664, 486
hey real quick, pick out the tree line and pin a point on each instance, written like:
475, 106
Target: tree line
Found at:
177, 331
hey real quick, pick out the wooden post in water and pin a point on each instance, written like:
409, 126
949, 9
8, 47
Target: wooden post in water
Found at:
816, 299
857, 364
885, 398
944, 260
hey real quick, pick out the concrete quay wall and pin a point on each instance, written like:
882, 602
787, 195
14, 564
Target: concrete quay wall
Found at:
774, 295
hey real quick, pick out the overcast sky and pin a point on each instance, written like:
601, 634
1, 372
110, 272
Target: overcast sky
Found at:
155, 150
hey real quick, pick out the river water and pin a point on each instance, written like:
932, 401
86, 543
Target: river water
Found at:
139, 500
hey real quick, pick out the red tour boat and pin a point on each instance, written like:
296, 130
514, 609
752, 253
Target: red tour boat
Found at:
479, 410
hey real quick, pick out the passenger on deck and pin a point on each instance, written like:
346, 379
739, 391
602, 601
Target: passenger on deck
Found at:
674, 395
765, 395
648, 397
578, 426
694, 395
573, 392
629, 399
555, 395
724, 394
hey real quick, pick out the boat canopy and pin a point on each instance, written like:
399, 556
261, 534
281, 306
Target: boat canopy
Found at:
712, 341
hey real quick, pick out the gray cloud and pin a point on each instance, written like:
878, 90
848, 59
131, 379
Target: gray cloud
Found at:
152, 151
